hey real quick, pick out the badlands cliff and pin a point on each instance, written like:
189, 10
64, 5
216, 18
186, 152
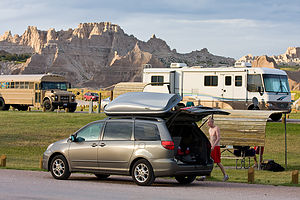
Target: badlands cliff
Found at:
95, 54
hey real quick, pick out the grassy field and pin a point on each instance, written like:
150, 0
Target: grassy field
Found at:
24, 136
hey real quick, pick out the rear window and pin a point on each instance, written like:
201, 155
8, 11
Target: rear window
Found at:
146, 132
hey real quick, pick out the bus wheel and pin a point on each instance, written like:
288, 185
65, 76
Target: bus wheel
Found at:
48, 105
276, 116
72, 109
3, 106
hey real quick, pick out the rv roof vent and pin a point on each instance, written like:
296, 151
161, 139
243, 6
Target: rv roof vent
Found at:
178, 65
147, 66
242, 64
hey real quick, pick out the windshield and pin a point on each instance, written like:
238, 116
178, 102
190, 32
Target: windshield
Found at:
276, 83
54, 85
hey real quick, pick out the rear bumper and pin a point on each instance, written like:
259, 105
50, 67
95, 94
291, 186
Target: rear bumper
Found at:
169, 167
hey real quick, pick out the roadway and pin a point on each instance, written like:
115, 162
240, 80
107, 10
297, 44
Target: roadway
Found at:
18, 184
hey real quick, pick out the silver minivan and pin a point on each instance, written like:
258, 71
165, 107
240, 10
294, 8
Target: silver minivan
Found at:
146, 135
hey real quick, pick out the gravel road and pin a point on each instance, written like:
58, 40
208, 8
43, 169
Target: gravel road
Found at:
25, 185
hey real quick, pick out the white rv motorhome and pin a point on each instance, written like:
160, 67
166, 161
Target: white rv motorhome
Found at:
223, 87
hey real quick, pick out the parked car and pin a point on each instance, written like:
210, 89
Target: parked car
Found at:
91, 96
145, 136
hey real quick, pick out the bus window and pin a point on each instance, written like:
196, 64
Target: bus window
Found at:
37, 86
17, 84
22, 85
12, 85
26, 85
31, 85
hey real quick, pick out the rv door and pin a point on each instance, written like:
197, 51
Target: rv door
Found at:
172, 82
227, 83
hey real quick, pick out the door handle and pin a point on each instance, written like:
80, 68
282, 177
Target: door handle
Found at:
94, 145
102, 144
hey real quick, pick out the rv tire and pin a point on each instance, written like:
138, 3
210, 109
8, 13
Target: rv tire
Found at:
276, 116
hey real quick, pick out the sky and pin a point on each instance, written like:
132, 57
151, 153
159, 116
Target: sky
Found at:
231, 28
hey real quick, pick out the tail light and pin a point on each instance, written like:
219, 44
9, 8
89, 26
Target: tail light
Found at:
168, 145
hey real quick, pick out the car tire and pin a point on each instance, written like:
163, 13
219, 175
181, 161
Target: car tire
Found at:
142, 173
59, 168
48, 105
185, 179
102, 176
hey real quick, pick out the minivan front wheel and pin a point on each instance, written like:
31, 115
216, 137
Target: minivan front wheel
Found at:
59, 168
185, 179
142, 173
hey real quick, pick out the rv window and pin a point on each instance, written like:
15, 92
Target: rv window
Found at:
157, 80
227, 80
238, 81
254, 82
210, 80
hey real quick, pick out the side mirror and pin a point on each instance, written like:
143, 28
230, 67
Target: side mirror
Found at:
260, 90
73, 138
78, 93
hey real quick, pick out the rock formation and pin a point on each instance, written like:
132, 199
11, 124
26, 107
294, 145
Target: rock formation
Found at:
95, 54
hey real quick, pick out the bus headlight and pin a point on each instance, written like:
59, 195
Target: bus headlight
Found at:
72, 98
56, 98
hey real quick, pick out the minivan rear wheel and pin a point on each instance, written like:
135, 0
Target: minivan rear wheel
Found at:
59, 168
185, 179
142, 173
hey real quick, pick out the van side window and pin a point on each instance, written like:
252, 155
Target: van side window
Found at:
90, 133
118, 131
227, 80
157, 80
238, 81
146, 132
210, 80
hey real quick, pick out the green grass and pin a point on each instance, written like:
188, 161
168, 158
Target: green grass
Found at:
24, 136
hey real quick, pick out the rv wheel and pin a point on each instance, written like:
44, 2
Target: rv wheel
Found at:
276, 116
